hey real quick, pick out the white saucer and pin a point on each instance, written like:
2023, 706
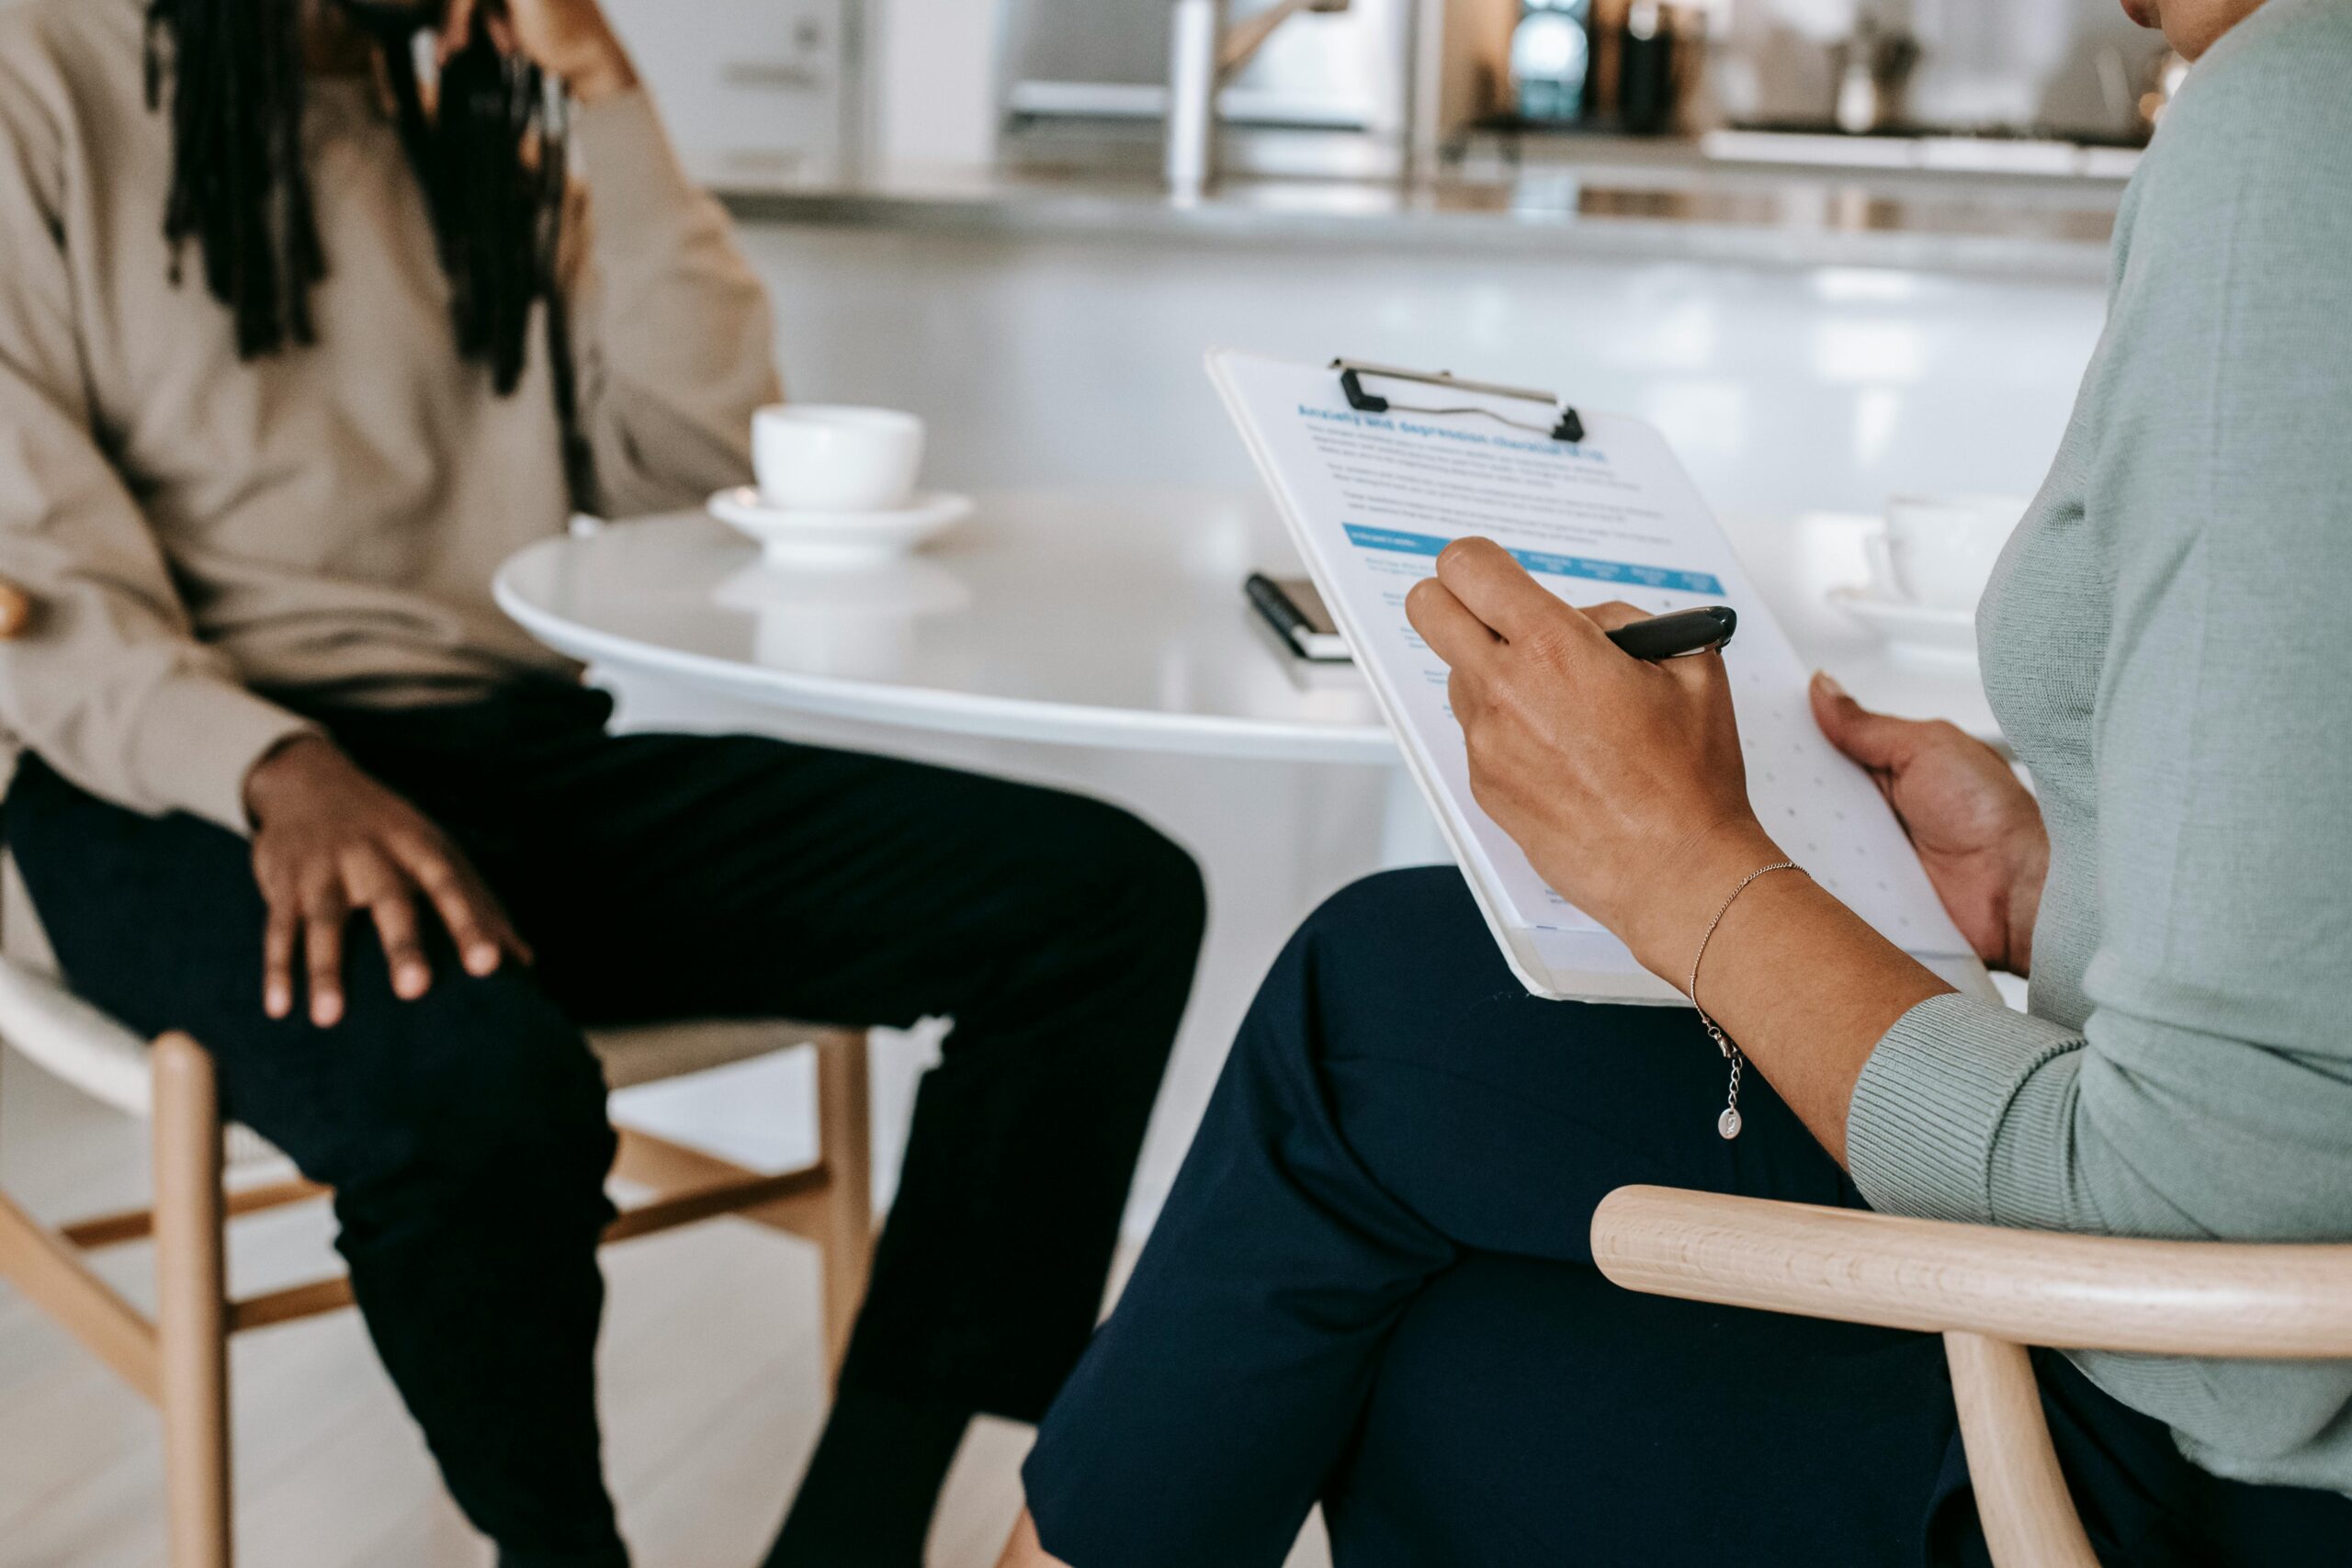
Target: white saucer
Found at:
789, 537
1925, 634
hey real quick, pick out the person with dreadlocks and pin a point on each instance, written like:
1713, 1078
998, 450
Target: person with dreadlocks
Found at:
311, 312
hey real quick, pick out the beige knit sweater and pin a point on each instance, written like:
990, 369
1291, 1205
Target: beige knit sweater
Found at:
199, 532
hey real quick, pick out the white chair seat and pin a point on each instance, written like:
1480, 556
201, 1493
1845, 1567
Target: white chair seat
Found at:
73, 1040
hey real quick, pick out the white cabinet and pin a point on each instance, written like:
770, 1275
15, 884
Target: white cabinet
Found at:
750, 89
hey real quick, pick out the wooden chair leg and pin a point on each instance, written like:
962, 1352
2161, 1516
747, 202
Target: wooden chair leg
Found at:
191, 1305
2021, 1498
845, 1139
52, 1273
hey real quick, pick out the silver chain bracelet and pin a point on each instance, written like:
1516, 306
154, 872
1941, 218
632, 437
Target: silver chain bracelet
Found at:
1727, 1123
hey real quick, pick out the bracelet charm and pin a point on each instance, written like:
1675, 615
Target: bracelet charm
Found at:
1727, 1124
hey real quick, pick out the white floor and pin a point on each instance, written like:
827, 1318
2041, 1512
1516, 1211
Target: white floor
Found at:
713, 1394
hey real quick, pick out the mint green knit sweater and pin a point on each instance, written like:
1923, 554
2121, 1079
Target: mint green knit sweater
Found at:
2166, 644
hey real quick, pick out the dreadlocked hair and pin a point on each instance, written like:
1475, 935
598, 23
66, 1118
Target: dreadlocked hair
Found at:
238, 188
490, 156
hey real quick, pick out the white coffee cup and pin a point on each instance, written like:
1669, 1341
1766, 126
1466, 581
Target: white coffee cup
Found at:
1938, 550
830, 458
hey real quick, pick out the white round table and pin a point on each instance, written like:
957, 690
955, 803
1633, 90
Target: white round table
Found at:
1094, 639
1095, 618
1102, 618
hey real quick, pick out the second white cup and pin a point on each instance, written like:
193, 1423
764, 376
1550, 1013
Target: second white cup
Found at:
1940, 550
831, 457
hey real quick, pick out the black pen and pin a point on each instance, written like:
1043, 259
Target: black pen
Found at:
1704, 629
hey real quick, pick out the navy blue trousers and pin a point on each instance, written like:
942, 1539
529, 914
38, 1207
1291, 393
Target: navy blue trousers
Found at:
1372, 1287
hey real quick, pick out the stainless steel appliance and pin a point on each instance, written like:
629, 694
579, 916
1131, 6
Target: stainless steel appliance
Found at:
751, 89
1207, 50
1110, 60
2044, 69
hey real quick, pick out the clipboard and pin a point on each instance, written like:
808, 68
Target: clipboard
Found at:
1566, 423
1596, 506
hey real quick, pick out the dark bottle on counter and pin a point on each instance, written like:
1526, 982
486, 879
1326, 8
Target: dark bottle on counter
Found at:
1646, 86
1551, 60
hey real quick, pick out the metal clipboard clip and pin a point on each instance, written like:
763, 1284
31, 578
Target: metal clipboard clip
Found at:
1566, 424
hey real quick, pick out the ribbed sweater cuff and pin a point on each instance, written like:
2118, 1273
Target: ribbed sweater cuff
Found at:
1934, 1102
198, 736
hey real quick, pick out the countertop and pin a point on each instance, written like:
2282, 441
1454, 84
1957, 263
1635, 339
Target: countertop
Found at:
1658, 208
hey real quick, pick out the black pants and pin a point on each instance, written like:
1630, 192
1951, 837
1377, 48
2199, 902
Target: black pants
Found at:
661, 877
1373, 1286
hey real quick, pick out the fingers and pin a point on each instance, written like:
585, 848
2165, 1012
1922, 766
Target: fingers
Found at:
1453, 633
324, 912
458, 29
1878, 741
477, 949
373, 883
312, 922
508, 937
396, 928
1609, 618
1696, 673
476, 922
278, 940
457, 26
1499, 590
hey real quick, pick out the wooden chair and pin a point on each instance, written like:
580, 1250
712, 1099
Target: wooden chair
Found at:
178, 1359
1990, 1292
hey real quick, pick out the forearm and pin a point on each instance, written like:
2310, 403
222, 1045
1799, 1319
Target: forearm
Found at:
1624, 783
600, 67
106, 680
1799, 982
671, 326
183, 742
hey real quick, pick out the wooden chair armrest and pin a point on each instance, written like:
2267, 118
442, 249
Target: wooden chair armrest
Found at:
16, 610
2178, 1298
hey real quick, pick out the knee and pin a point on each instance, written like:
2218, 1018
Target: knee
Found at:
1168, 885
483, 1087
1388, 912
1142, 884
1369, 955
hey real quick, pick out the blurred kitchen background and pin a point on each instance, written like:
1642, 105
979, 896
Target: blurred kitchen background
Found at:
764, 88
1837, 246
1838, 249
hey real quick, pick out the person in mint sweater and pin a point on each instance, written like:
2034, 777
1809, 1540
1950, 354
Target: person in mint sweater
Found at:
1371, 1286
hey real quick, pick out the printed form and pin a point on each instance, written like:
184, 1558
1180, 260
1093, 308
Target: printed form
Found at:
1373, 498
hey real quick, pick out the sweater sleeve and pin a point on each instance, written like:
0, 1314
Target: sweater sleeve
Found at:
670, 326
108, 685
2207, 1091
